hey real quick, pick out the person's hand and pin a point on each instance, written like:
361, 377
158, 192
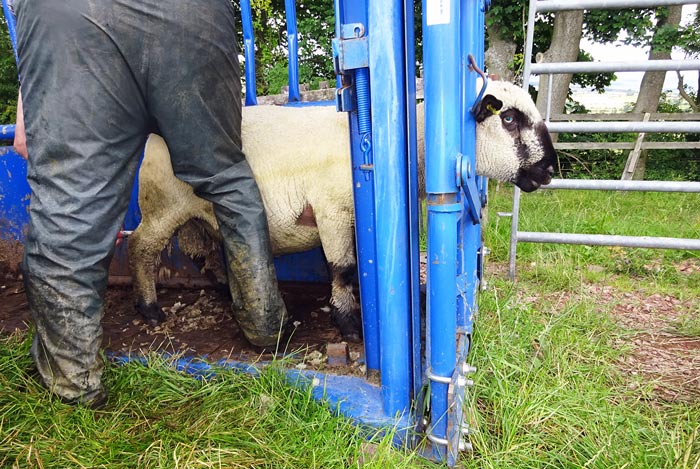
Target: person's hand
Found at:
20, 142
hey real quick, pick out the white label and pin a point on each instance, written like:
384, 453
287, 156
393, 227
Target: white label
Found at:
438, 12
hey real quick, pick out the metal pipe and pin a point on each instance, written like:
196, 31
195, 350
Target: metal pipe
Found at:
11, 28
413, 201
251, 92
621, 127
600, 67
561, 5
469, 233
529, 41
386, 59
443, 113
293, 51
514, 220
617, 185
7, 132
609, 240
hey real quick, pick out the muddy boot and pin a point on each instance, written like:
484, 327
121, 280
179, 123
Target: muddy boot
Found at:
257, 303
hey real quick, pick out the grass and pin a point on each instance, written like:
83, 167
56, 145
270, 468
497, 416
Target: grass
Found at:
548, 392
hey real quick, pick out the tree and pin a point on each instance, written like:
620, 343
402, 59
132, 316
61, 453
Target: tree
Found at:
653, 81
565, 47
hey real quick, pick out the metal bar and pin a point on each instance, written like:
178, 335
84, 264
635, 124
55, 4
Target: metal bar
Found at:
561, 5
609, 240
443, 111
414, 206
621, 127
529, 41
251, 93
469, 235
386, 59
654, 116
600, 67
615, 185
626, 146
7, 132
514, 220
293, 51
348, 12
11, 28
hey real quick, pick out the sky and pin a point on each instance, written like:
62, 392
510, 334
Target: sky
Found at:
621, 52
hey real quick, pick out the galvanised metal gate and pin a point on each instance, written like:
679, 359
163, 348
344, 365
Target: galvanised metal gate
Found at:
551, 68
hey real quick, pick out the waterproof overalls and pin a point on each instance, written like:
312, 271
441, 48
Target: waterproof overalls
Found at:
97, 77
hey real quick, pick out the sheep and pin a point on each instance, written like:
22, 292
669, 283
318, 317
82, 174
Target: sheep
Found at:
300, 157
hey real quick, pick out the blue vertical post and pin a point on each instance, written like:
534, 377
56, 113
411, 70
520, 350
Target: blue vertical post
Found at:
443, 113
251, 92
293, 50
355, 12
413, 202
387, 63
11, 27
472, 40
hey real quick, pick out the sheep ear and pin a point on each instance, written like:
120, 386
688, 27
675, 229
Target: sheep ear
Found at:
488, 106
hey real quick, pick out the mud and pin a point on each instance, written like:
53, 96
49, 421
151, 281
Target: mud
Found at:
199, 323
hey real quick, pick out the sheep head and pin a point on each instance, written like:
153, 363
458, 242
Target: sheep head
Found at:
513, 143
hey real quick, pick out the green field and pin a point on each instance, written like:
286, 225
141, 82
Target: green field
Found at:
590, 360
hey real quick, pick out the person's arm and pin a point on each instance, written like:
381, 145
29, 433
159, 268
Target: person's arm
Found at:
20, 143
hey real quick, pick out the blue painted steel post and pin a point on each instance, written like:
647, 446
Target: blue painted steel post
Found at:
413, 202
472, 41
293, 48
443, 113
11, 27
355, 12
251, 93
387, 63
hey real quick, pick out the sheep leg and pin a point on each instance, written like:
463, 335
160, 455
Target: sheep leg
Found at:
337, 239
344, 307
145, 246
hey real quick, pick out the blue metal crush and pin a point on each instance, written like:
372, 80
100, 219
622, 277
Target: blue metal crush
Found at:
377, 38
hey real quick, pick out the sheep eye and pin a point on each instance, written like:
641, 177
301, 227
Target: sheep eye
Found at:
508, 119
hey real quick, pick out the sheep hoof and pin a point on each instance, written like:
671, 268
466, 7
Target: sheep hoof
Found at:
349, 324
152, 313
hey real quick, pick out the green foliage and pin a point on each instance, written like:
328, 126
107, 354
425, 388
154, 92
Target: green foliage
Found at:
315, 27
8, 77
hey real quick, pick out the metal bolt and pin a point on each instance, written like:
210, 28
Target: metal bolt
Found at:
467, 368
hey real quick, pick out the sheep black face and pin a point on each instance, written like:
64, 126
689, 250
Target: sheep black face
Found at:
513, 143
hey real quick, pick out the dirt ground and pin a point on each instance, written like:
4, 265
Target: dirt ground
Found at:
199, 322
655, 347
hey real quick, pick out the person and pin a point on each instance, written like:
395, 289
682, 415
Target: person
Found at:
97, 77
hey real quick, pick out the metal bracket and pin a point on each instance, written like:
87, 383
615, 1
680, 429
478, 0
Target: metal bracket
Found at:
350, 52
466, 179
351, 49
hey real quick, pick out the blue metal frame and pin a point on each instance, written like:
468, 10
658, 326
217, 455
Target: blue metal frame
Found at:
375, 39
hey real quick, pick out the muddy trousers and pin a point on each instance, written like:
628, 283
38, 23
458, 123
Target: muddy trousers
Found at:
97, 77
